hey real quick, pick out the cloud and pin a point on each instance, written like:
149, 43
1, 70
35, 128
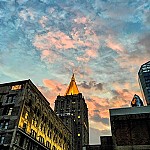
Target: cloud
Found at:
96, 133
118, 47
97, 118
92, 84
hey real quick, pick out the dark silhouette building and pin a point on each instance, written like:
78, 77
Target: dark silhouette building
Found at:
27, 122
144, 80
73, 111
130, 128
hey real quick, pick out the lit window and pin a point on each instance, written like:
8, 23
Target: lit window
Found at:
6, 125
16, 87
7, 111
79, 117
2, 139
26, 115
78, 134
10, 111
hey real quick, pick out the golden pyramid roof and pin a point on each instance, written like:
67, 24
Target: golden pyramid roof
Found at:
72, 88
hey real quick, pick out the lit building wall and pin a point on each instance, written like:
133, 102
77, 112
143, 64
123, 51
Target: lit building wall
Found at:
32, 124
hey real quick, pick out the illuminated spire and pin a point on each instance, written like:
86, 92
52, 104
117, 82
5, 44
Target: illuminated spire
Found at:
72, 88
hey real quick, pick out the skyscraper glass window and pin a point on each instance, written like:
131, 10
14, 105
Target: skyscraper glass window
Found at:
144, 80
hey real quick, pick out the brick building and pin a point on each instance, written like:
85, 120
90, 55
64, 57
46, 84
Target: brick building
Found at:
27, 122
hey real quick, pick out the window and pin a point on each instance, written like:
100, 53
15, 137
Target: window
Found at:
49, 134
24, 126
41, 139
10, 111
48, 144
4, 124
2, 137
33, 133
26, 115
16, 87
7, 110
34, 122
10, 98
78, 134
78, 117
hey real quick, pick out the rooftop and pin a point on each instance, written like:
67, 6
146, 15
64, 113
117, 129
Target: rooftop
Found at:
129, 110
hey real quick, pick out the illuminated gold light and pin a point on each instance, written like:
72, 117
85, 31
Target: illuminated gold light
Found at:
16, 87
72, 88
78, 116
78, 134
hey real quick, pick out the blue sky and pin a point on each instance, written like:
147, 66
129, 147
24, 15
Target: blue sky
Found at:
103, 42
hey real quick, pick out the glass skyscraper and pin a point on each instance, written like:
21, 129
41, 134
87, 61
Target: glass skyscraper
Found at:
144, 80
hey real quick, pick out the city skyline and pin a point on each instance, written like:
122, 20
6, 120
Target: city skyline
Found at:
104, 43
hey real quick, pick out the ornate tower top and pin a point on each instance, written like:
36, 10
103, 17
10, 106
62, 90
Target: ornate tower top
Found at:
72, 88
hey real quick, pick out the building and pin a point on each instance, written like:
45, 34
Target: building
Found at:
130, 128
144, 80
106, 144
27, 122
73, 111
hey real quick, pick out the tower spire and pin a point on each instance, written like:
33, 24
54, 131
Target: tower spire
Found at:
72, 88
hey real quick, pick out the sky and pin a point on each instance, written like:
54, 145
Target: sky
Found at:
104, 42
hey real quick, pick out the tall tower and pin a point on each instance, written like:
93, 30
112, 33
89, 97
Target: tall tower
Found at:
73, 111
144, 80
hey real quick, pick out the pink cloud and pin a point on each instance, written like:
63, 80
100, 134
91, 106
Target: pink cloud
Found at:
55, 86
91, 53
52, 89
81, 20
57, 39
43, 21
115, 45
86, 40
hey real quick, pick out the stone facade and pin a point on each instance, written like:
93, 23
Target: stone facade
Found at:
27, 122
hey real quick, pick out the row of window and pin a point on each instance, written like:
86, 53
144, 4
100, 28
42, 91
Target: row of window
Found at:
4, 124
57, 136
41, 139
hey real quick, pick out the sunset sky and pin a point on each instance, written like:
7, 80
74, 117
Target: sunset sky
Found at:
104, 42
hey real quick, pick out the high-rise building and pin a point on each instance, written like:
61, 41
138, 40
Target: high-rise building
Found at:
73, 111
27, 122
144, 80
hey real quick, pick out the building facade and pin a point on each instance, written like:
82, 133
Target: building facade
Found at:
144, 81
130, 128
27, 122
73, 111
